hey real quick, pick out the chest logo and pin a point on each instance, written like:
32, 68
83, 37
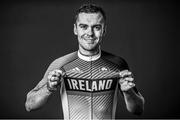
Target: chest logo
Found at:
104, 69
90, 85
76, 70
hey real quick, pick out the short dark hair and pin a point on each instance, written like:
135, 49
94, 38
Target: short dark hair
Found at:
90, 8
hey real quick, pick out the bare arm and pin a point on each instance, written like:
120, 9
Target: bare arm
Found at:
38, 96
133, 99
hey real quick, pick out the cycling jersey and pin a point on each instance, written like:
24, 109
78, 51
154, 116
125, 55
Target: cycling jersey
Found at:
90, 85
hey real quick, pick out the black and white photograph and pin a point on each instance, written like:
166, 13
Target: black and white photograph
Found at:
89, 59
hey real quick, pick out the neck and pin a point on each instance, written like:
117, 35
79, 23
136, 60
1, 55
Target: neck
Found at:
89, 53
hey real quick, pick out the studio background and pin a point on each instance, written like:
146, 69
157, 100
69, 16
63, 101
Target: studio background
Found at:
145, 34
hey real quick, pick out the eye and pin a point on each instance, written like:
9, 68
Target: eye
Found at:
97, 27
83, 26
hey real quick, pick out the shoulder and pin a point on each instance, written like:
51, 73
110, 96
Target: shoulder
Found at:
59, 62
121, 62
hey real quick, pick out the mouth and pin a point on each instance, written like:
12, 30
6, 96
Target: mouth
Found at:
90, 41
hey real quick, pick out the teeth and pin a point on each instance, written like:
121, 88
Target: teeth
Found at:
90, 39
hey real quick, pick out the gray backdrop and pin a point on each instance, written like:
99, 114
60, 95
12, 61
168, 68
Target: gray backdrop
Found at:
144, 33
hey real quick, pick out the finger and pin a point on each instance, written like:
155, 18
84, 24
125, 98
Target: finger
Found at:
59, 72
55, 71
122, 82
49, 76
52, 84
124, 85
127, 85
51, 73
125, 88
131, 84
122, 72
125, 73
54, 78
129, 79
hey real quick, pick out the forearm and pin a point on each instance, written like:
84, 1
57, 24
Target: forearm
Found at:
134, 101
37, 98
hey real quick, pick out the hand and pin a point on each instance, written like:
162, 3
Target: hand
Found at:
54, 78
126, 80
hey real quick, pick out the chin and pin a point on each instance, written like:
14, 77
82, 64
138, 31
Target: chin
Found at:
91, 48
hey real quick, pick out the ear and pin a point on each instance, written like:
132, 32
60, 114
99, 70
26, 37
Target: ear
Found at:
75, 29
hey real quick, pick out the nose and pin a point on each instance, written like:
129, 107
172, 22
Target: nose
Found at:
90, 31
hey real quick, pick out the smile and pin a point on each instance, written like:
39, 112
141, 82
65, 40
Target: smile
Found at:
90, 41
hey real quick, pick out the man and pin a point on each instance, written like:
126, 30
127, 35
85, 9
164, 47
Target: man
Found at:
89, 78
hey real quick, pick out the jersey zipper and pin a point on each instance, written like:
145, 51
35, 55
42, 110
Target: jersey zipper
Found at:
91, 90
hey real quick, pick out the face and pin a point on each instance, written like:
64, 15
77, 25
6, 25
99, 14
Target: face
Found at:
89, 29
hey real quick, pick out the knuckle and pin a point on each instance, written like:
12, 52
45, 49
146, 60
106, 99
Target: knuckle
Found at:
54, 83
58, 71
50, 73
130, 83
52, 78
56, 78
53, 72
49, 76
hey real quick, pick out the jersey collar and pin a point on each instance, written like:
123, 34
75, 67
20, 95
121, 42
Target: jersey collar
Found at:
89, 58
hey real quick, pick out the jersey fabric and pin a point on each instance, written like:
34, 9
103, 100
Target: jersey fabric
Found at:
90, 85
